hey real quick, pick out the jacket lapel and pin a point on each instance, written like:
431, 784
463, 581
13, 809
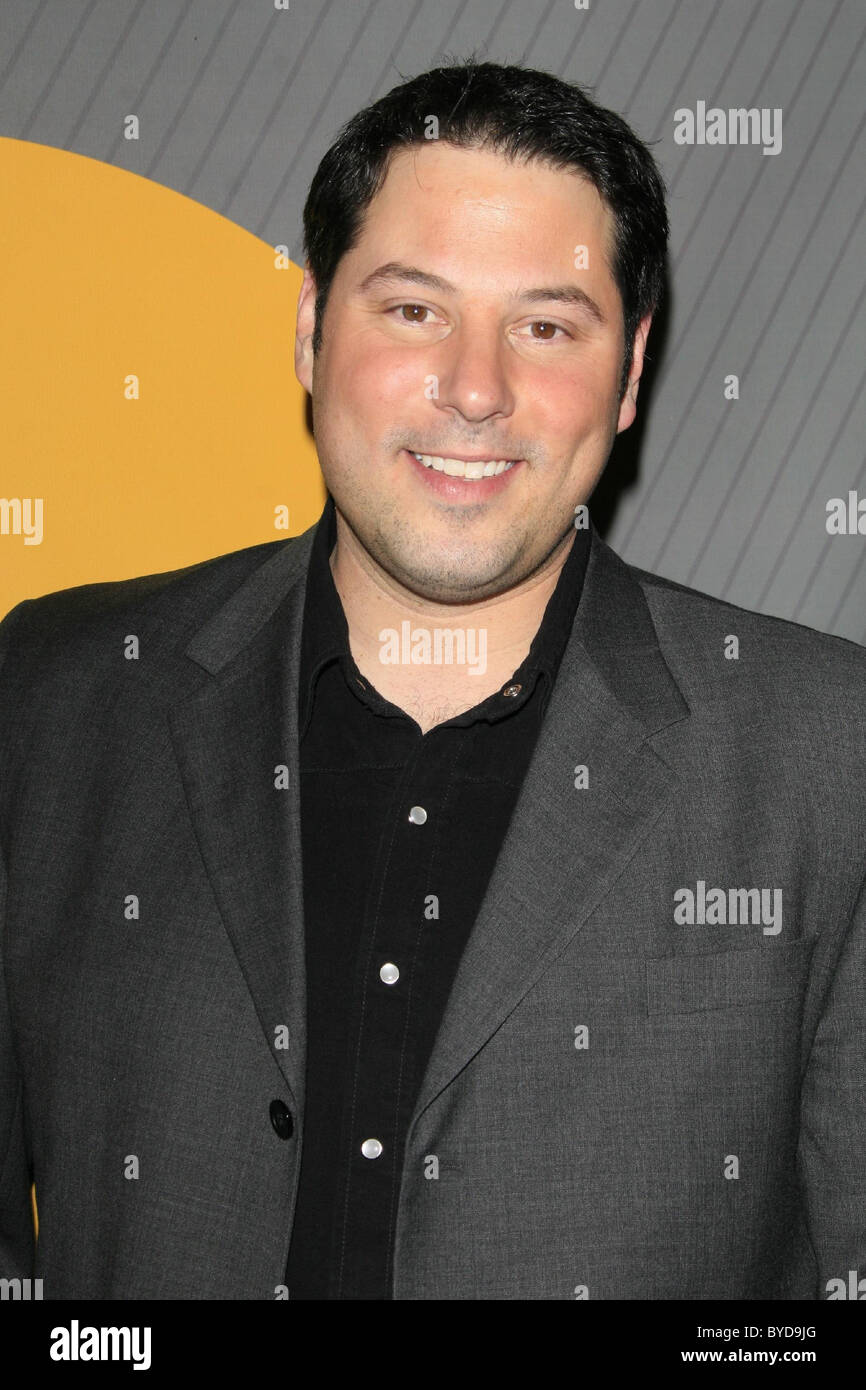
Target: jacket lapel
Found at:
229, 737
613, 691
565, 847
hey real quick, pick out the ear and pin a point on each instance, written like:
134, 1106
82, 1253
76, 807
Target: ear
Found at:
628, 404
306, 319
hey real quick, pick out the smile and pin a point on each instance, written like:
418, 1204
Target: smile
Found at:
472, 469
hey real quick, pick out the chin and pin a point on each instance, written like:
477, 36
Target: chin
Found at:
456, 585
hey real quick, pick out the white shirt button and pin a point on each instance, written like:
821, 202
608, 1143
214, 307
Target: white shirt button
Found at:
371, 1148
417, 815
389, 974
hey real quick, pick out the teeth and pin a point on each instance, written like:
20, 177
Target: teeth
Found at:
458, 468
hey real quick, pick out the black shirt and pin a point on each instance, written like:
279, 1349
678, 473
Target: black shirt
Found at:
389, 903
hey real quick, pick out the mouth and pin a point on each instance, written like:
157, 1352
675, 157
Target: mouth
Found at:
467, 470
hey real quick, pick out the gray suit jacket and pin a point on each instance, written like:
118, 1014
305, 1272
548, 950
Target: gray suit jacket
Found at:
621, 1103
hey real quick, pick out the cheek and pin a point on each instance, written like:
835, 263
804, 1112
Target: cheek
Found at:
571, 403
370, 378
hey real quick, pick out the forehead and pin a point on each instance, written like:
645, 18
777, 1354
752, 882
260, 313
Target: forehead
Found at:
482, 208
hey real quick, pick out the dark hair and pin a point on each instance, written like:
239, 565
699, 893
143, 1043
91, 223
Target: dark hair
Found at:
520, 113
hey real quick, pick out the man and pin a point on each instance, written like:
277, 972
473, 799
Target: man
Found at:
438, 907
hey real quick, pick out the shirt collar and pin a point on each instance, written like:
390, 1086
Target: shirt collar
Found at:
325, 634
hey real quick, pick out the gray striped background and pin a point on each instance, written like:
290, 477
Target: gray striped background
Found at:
238, 102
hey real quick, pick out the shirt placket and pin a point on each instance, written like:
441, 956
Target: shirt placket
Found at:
397, 938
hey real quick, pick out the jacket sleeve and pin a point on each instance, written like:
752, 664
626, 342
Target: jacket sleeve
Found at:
832, 1146
17, 1243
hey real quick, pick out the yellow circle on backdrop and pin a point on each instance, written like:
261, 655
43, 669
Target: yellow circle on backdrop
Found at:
112, 285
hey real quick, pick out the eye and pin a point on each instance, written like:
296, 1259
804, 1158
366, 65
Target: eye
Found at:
421, 309
545, 323
398, 308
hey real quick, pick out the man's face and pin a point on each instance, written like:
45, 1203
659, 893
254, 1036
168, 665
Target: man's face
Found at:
470, 368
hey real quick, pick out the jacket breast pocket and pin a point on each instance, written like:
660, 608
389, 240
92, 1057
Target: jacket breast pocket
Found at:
726, 979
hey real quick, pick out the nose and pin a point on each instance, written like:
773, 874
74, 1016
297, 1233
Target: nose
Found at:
474, 376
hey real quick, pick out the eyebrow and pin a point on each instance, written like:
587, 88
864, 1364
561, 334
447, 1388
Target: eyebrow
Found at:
394, 272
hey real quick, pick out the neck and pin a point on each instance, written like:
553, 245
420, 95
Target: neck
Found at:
492, 637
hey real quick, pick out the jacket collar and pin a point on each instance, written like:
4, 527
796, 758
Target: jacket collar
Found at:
236, 743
